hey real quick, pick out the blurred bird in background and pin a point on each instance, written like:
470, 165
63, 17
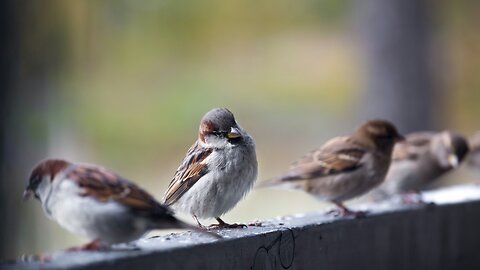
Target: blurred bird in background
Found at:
473, 158
419, 161
344, 167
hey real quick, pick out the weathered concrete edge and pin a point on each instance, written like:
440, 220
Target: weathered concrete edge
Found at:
396, 237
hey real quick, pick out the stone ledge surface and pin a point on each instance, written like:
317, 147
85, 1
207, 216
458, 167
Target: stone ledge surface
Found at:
445, 235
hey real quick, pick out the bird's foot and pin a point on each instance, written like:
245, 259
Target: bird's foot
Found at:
416, 199
94, 245
358, 214
343, 211
223, 225
349, 213
256, 223
227, 226
412, 198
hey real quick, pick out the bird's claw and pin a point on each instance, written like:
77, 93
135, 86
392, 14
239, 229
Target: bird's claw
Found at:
347, 213
227, 226
256, 223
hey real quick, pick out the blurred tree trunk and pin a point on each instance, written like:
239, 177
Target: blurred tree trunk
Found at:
396, 44
31, 52
9, 50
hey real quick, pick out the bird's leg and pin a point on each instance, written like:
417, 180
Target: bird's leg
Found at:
222, 224
412, 197
198, 222
94, 245
343, 211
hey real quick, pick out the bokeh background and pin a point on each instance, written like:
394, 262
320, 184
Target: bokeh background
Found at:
125, 83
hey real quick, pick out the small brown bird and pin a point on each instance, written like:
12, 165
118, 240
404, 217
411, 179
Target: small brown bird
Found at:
344, 167
473, 158
98, 204
420, 160
218, 171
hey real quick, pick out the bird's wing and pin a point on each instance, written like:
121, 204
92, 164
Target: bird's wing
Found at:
105, 186
189, 172
336, 156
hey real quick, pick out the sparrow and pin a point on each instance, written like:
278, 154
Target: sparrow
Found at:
98, 204
473, 159
219, 169
420, 160
344, 167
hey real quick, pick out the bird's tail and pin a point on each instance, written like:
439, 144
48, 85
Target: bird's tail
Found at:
282, 181
269, 182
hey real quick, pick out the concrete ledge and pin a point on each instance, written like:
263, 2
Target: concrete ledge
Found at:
443, 236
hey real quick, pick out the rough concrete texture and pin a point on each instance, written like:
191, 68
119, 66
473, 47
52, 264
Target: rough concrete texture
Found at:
393, 236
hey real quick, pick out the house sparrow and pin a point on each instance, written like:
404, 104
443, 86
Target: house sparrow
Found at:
421, 159
344, 167
217, 172
96, 203
473, 159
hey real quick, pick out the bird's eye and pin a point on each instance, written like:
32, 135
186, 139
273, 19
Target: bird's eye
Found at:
33, 183
219, 133
36, 181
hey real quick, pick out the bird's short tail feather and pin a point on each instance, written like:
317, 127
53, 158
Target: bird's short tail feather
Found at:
279, 181
269, 183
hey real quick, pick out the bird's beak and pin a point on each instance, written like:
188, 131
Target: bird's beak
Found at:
234, 133
27, 194
400, 138
453, 160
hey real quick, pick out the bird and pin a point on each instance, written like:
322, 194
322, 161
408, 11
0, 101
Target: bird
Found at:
419, 161
473, 158
96, 203
219, 169
344, 167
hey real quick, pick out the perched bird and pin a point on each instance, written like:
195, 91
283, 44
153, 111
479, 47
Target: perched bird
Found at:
344, 167
473, 159
98, 204
217, 172
420, 160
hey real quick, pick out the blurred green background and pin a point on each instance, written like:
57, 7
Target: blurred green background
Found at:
124, 84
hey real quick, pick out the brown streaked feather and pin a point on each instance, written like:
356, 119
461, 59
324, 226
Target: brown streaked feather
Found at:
105, 185
330, 146
336, 156
189, 172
